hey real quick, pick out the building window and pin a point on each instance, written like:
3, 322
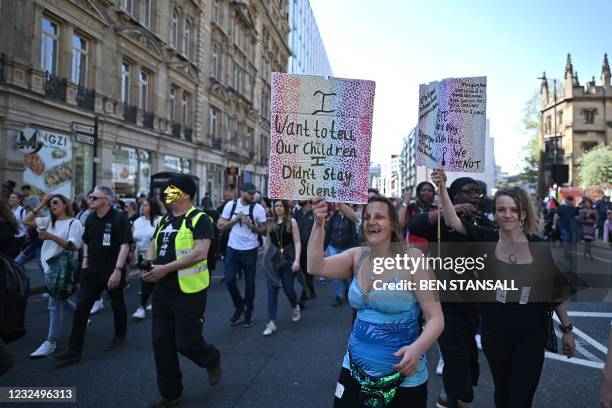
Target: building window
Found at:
128, 5
214, 65
79, 60
146, 12
177, 164
187, 39
212, 130
174, 30
143, 87
547, 125
173, 104
237, 32
589, 116
215, 12
48, 46
125, 83
185, 109
586, 146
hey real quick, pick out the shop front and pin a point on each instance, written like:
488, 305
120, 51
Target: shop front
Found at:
131, 171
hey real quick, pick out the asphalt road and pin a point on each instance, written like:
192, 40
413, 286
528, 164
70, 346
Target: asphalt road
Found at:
296, 367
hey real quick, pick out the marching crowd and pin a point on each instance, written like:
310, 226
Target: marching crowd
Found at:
95, 240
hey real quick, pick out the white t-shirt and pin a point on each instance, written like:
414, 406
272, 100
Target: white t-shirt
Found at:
143, 232
241, 237
20, 213
62, 229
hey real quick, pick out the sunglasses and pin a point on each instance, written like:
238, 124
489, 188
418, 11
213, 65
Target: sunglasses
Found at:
95, 198
55, 202
471, 191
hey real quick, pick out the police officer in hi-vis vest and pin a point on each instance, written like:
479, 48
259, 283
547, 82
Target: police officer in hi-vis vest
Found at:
180, 247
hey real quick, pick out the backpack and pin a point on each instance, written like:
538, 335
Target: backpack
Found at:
14, 292
224, 235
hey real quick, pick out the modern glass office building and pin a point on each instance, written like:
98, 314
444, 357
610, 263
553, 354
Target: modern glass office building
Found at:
308, 56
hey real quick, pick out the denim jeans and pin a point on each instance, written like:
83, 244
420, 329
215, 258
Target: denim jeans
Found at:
340, 285
56, 315
27, 255
287, 277
235, 260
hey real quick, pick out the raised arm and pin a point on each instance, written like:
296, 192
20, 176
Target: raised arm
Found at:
297, 245
334, 267
451, 218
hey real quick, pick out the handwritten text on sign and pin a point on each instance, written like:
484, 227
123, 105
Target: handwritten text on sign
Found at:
452, 123
321, 133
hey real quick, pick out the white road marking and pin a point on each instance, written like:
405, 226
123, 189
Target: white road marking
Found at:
587, 338
590, 314
574, 360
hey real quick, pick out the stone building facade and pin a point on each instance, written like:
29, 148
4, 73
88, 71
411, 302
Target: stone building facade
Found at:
112, 92
575, 119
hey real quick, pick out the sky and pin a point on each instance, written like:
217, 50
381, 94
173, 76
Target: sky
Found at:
403, 43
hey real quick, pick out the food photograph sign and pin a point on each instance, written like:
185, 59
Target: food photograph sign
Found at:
48, 161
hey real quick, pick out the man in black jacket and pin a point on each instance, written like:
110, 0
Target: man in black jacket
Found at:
461, 320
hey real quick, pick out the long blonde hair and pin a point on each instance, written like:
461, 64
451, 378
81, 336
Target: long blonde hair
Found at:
523, 201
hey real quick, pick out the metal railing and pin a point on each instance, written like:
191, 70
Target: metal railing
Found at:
2, 67
148, 119
217, 143
130, 113
86, 98
188, 132
176, 130
55, 87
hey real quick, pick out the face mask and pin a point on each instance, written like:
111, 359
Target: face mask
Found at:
171, 195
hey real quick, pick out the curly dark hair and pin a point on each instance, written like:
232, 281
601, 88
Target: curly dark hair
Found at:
7, 216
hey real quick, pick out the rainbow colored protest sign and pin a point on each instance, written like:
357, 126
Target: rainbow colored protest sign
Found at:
452, 123
321, 134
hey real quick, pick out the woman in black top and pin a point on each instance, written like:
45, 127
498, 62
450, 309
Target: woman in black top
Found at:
513, 326
282, 261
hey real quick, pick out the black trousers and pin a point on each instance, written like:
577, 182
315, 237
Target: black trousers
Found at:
146, 288
347, 394
91, 287
459, 350
177, 328
516, 362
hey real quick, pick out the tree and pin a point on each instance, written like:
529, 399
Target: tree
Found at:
596, 166
531, 125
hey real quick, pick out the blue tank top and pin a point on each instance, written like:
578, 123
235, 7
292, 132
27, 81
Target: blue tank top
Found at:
386, 321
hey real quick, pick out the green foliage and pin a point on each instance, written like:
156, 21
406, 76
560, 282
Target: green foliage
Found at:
596, 166
531, 126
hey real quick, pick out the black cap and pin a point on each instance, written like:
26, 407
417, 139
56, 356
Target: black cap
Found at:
457, 184
185, 183
249, 188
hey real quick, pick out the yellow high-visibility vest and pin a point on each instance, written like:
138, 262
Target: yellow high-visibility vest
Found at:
196, 277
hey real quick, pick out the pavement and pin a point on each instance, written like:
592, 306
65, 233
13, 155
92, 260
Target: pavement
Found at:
296, 367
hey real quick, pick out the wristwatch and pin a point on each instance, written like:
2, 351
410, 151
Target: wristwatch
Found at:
566, 329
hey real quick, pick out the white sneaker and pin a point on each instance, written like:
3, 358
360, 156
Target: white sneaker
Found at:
139, 314
44, 350
296, 314
270, 329
478, 343
440, 366
150, 307
97, 306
